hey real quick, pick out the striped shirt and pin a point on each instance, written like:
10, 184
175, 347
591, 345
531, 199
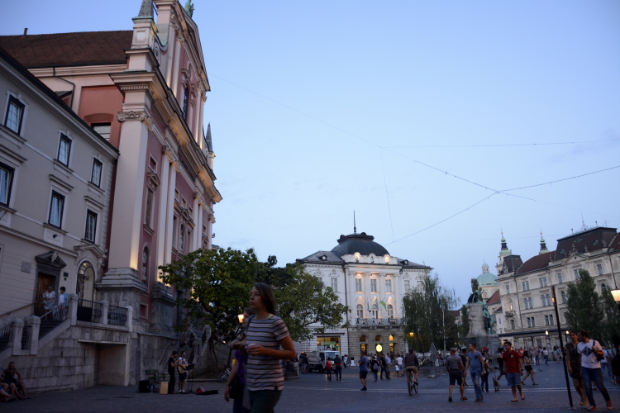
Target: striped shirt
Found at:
264, 372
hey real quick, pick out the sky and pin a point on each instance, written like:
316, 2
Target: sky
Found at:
416, 115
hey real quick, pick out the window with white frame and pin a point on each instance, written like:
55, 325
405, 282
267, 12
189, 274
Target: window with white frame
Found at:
64, 150
14, 115
546, 320
358, 284
544, 281
6, 183
576, 274
507, 289
407, 285
103, 129
390, 311
95, 176
560, 277
335, 284
360, 311
512, 324
56, 209
549, 300
599, 267
373, 285
551, 319
563, 297
523, 285
388, 286
527, 285
529, 323
544, 300
530, 301
533, 322
91, 226
527, 304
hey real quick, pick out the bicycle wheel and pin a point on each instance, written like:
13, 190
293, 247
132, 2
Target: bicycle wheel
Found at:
410, 386
222, 377
415, 386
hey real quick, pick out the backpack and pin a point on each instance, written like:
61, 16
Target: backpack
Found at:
375, 365
615, 363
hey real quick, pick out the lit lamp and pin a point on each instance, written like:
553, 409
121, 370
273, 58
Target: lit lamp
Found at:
240, 316
546, 333
410, 334
616, 295
567, 332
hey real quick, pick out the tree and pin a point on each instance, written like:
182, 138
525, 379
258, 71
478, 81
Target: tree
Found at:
302, 299
424, 317
584, 309
611, 325
215, 286
474, 285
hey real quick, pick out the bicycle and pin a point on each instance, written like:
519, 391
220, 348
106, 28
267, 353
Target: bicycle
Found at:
223, 376
411, 384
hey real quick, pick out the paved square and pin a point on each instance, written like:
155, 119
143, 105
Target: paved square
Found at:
313, 393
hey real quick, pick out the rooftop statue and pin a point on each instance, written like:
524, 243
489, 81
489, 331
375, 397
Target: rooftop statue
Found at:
189, 8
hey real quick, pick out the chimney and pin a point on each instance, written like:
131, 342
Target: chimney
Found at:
26, 31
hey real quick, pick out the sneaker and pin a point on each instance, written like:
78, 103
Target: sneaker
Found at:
364, 389
450, 399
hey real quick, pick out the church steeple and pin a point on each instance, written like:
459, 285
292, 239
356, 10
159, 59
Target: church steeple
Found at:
504, 251
543, 245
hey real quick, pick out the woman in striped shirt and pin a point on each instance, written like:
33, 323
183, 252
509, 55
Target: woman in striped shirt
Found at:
265, 333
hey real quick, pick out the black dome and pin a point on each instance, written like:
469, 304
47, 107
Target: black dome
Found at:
362, 243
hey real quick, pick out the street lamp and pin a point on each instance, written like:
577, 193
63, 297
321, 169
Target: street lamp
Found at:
240, 316
616, 295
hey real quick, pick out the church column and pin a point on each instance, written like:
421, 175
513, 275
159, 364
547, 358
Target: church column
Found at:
380, 282
196, 231
200, 224
172, 41
175, 72
170, 211
367, 294
161, 220
395, 297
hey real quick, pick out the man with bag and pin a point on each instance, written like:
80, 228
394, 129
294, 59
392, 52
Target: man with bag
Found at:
591, 356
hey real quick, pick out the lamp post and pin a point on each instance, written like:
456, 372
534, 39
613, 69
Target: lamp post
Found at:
557, 317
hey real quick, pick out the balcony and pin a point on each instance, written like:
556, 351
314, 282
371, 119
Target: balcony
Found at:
377, 322
510, 314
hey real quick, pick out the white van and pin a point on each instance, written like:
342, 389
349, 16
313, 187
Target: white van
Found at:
317, 359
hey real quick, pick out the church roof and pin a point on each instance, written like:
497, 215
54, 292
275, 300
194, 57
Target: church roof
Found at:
494, 298
589, 240
362, 243
537, 262
69, 49
486, 278
511, 264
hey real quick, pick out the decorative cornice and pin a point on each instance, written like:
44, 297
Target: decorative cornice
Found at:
131, 115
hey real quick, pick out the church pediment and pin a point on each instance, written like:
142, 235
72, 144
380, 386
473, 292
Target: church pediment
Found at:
51, 259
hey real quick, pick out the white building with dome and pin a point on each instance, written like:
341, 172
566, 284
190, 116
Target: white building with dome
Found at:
371, 283
487, 282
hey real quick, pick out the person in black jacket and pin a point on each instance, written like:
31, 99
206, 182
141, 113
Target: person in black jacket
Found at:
172, 362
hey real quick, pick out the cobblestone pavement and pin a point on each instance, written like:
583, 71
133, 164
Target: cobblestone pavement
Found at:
313, 393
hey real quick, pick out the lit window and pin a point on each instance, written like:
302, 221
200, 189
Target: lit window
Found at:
14, 114
358, 284
373, 285
56, 209
103, 129
599, 267
6, 182
91, 226
335, 284
64, 150
95, 177
388, 286
149, 208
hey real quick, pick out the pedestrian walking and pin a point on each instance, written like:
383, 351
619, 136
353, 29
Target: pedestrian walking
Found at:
591, 353
529, 370
546, 355
375, 367
615, 360
266, 333
455, 368
464, 361
328, 368
345, 360
476, 369
238, 370
486, 365
574, 367
338, 367
399, 361
384, 368
363, 362
514, 370
500, 362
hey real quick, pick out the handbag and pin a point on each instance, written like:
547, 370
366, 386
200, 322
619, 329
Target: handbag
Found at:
236, 388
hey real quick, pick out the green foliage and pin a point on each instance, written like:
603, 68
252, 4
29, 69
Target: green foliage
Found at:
611, 325
424, 317
474, 285
585, 309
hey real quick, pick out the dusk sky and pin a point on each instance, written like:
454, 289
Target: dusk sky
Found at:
322, 108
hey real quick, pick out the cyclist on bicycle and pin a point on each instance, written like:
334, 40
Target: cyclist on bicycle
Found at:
412, 365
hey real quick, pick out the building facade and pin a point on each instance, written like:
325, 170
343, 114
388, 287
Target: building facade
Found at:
525, 287
371, 283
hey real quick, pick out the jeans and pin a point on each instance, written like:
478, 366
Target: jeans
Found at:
238, 403
329, 374
485, 381
387, 373
338, 372
374, 373
264, 401
606, 366
172, 382
546, 359
595, 375
475, 378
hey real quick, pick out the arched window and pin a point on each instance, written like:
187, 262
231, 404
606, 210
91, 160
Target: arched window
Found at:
363, 339
145, 265
510, 304
360, 311
377, 338
512, 324
86, 281
603, 286
375, 311
390, 311
391, 338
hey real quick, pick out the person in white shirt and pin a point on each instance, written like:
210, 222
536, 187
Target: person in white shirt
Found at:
49, 299
590, 351
181, 366
399, 360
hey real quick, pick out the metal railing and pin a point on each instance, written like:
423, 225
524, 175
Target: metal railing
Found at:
53, 319
26, 335
5, 337
20, 312
90, 311
378, 321
117, 316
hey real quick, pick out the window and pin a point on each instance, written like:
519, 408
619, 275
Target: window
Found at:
95, 177
373, 285
6, 182
182, 239
563, 297
64, 150
388, 286
375, 312
529, 323
149, 208
145, 265
546, 320
335, 284
599, 267
507, 289
14, 115
527, 305
544, 300
102, 129
407, 285
576, 274
530, 301
551, 319
185, 97
91, 226
512, 324
545, 281
603, 287
358, 284
360, 313
523, 285
56, 209
390, 311
527, 284
560, 277
533, 322
549, 300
